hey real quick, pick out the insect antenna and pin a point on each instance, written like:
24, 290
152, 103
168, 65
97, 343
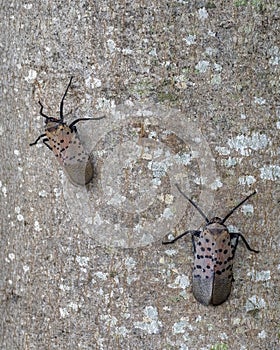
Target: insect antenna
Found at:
193, 203
238, 205
41, 111
62, 101
80, 119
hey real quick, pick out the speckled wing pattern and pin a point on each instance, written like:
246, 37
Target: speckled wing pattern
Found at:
70, 153
212, 274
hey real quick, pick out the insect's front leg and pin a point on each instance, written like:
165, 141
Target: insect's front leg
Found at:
193, 233
197, 234
237, 235
45, 143
36, 141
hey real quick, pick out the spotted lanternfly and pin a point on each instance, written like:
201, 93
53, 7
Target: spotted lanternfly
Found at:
214, 248
64, 141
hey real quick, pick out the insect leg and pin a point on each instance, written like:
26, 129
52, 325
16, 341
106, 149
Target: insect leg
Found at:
34, 143
237, 235
196, 233
45, 143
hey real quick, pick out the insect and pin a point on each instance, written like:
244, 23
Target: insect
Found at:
214, 249
64, 142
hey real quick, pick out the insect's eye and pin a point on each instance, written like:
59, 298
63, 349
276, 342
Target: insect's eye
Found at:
51, 120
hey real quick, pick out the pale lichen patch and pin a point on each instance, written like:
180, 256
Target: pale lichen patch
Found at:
270, 172
245, 144
150, 323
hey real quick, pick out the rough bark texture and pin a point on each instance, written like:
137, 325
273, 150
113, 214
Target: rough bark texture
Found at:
190, 91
